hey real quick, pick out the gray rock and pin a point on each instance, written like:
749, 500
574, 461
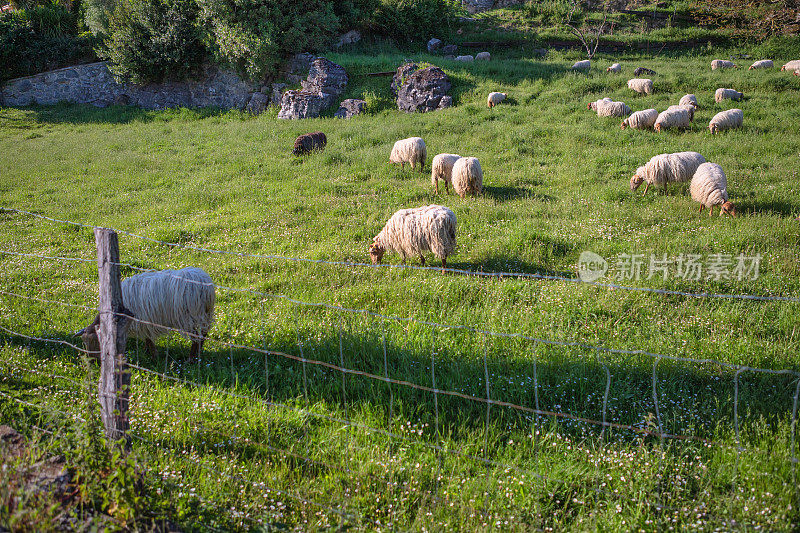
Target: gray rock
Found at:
325, 84
539, 52
483, 56
297, 105
403, 72
296, 69
350, 37
423, 90
434, 44
350, 108
258, 104
449, 49
277, 93
465, 59
446, 101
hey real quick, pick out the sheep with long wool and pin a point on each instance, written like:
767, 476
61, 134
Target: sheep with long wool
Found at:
762, 63
616, 68
582, 65
709, 186
689, 99
412, 151
667, 168
726, 120
641, 120
791, 65
606, 107
673, 119
495, 98
727, 94
162, 303
310, 142
411, 232
641, 85
688, 107
718, 64
467, 177
442, 169
644, 70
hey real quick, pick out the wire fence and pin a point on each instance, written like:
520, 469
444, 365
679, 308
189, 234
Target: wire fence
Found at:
338, 363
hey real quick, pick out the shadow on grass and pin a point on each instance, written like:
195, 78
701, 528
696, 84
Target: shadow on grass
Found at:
87, 114
506, 194
780, 208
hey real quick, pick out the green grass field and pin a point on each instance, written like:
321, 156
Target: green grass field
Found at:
556, 183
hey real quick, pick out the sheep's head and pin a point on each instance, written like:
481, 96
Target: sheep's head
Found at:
713, 128
797, 72
590, 105
657, 127
728, 208
636, 180
376, 252
89, 337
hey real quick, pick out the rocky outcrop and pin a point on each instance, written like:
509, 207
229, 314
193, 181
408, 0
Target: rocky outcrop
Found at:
350, 108
325, 84
434, 44
350, 37
423, 90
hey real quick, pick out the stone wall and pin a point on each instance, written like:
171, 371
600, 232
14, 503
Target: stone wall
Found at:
476, 6
93, 84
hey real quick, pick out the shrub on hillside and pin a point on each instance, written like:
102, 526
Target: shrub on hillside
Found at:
154, 40
413, 20
96, 14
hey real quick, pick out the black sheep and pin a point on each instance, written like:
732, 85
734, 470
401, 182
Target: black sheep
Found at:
310, 142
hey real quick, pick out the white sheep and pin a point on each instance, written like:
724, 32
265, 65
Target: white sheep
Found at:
410, 232
641, 85
688, 107
467, 176
495, 98
689, 99
483, 56
616, 68
673, 118
722, 63
667, 168
725, 120
727, 94
162, 303
710, 187
791, 65
465, 59
411, 151
762, 63
582, 65
606, 107
641, 120
442, 169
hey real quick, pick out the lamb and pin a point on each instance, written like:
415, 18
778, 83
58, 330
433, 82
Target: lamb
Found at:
725, 120
641, 70
467, 176
410, 232
483, 56
442, 169
688, 107
641, 85
495, 98
709, 186
641, 120
791, 65
673, 118
411, 151
162, 303
667, 168
722, 63
310, 142
763, 63
723, 94
609, 108
616, 68
689, 99
582, 65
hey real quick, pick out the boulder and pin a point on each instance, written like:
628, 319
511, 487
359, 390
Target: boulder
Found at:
348, 38
446, 101
434, 44
325, 84
276, 93
403, 72
483, 56
297, 67
423, 90
350, 108
449, 49
301, 104
258, 104
465, 59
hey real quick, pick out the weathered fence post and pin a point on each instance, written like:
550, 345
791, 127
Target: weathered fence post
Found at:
112, 333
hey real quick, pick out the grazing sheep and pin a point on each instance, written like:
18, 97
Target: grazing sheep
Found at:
616, 68
763, 63
725, 120
310, 142
688, 107
725, 94
466, 59
667, 168
410, 232
606, 107
467, 177
162, 303
442, 169
641, 70
673, 118
689, 99
722, 63
582, 65
641, 120
411, 151
495, 98
483, 56
791, 65
641, 85
710, 187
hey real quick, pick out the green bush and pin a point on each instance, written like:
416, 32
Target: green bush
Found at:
96, 15
413, 20
255, 36
154, 40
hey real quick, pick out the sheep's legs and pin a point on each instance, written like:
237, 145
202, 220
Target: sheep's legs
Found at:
446, 187
710, 210
150, 346
444, 264
646, 186
422, 259
437, 186
701, 209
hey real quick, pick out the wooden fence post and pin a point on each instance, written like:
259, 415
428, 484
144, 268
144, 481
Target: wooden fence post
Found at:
115, 378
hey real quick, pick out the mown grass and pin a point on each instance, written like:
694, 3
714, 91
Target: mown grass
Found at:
556, 180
